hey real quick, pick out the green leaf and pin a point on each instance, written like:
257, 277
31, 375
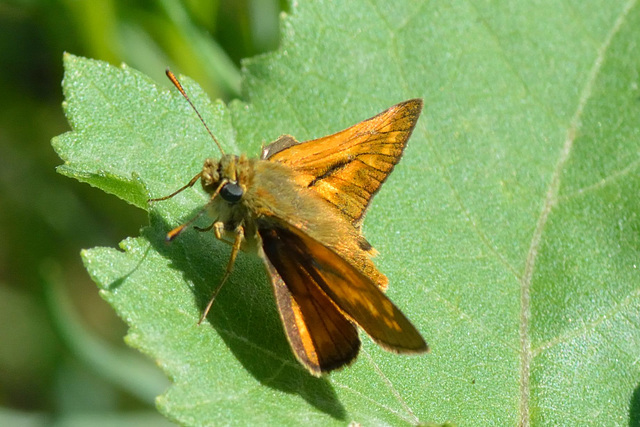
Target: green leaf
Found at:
510, 231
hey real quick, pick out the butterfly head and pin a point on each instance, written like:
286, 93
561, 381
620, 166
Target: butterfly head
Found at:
228, 177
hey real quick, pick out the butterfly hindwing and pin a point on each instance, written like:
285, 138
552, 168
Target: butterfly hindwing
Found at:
310, 265
321, 337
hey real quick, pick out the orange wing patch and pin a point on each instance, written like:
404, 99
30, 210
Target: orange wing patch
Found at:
348, 168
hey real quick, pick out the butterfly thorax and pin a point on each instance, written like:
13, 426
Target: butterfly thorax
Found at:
260, 194
247, 191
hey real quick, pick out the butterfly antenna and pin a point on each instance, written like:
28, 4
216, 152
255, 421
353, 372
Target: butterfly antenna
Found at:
177, 84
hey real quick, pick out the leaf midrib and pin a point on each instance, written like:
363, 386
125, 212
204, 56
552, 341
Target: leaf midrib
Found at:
550, 202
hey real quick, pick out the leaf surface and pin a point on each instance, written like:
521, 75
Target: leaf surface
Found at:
509, 231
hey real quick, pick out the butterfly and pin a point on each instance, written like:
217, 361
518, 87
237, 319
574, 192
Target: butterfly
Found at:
300, 207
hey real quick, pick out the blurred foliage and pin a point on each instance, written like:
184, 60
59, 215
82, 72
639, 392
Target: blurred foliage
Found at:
58, 336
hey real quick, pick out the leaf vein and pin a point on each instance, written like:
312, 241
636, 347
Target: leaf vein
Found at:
586, 327
631, 167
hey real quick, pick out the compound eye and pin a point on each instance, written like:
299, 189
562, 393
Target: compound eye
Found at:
231, 192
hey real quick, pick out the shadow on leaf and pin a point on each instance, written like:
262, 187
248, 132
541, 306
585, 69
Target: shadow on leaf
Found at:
634, 408
244, 313
113, 286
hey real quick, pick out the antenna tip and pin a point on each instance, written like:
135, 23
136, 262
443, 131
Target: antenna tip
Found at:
173, 233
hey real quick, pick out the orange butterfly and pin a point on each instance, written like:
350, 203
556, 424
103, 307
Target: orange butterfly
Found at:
300, 207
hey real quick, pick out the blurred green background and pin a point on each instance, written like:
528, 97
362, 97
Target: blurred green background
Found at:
62, 357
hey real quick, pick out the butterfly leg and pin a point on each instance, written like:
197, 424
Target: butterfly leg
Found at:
218, 230
189, 185
204, 228
239, 232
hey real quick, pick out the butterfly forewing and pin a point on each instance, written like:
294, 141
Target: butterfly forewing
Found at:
348, 168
